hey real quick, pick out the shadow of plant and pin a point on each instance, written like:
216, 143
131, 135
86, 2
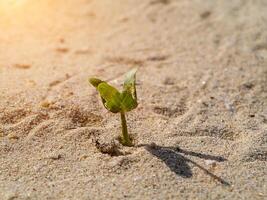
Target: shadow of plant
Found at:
175, 159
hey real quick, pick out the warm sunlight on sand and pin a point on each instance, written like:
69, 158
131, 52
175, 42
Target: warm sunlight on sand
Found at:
11, 7
6, 4
26, 13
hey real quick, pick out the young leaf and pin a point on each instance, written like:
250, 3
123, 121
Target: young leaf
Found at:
129, 83
95, 81
111, 97
128, 103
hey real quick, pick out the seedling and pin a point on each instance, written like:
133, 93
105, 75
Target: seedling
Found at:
119, 102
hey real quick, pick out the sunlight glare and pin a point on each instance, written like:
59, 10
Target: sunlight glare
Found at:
7, 4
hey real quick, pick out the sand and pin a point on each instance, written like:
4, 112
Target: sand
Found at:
200, 130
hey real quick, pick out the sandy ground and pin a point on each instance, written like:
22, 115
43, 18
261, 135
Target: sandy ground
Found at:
201, 126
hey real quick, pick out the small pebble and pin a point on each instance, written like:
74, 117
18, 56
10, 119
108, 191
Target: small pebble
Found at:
13, 136
211, 163
55, 156
83, 157
205, 14
22, 66
169, 81
45, 104
62, 50
1, 133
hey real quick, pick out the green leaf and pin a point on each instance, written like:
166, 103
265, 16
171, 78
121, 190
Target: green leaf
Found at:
95, 81
128, 103
111, 97
129, 83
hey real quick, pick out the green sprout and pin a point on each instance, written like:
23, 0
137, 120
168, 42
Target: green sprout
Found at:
119, 102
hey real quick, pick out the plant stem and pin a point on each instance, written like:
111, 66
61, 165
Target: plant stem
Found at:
125, 136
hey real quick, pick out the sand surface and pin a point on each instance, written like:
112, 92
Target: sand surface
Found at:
200, 129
